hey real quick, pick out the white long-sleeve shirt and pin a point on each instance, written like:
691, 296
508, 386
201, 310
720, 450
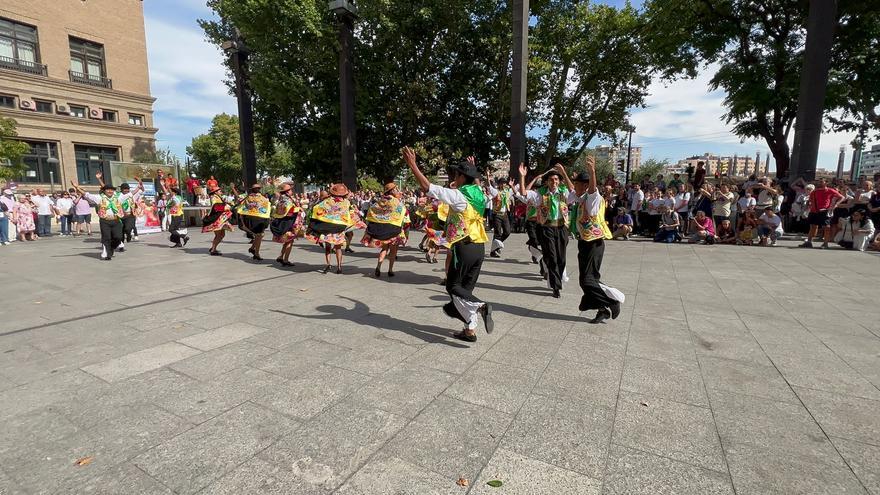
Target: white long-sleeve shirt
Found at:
452, 197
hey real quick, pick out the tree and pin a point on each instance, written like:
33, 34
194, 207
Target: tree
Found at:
591, 69
648, 169
217, 152
160, 155
758, 46
11, 151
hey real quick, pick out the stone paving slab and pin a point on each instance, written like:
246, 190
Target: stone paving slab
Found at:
730, 370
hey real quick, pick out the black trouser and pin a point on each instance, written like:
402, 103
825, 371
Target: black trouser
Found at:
502, 226
111, 235
467, 260
554, 240
532, 233
173, 227
128, 226
590, 254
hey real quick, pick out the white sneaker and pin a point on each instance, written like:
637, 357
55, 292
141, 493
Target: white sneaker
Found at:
136, 238
772, 243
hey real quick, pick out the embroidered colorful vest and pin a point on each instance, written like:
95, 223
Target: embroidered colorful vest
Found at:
551, 201
255, 205
110, 208
175, 206
333, 210
532, 213
501, 201
285, 207
442, 212
388, 210
591, 228
461, 225
128, 205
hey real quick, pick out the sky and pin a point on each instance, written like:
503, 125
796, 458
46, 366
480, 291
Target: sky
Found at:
681, 119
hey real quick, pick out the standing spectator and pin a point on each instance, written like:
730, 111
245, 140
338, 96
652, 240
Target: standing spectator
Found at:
661, 184
682, 206
764, 194
192, 186
855, 231
769, 226
745, 203
160, 209
23, 218
622, 224
64, 210
159, 181
699, 176
822, 200
611, 181
7, 206
45, 212
657, 200
874, 205
82, 214
634, 200
702, 229
675, 182
721, 203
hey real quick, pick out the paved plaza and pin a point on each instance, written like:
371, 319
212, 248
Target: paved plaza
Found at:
731, 370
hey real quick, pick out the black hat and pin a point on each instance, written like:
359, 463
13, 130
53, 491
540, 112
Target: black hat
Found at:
124, 185
108, 186
581, 177
551, 173
467, 169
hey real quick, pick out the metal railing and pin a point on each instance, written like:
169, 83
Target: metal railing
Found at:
22, 66
79, 77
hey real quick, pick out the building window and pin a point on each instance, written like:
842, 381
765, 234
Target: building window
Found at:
91, 159
44, 106
109, 115
19, 49
76, 111
7, 101
87, 63
39, 170
137, 120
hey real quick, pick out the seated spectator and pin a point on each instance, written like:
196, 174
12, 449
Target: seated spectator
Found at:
769, 227
855, 231
747, 228
875, 244
622, 225
669, 223
702, 228
725, 233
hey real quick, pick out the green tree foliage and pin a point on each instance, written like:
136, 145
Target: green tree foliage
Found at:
160, 155
649, 169
591, 69
217, 152
758, 46
11, 151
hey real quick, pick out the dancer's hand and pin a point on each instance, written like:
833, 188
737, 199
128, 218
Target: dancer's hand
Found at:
472, 161
523, 170
409, 156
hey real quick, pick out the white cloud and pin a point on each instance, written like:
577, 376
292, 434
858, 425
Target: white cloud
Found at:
684, 118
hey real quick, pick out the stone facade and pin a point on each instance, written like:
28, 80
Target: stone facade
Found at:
43, 95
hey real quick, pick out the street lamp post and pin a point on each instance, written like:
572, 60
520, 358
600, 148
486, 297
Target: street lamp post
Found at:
238, 56
518, 98
346, 13
629, 148
52, 162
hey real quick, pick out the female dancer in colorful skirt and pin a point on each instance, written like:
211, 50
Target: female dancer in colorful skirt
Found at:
329, 221
286, 223
385, 226
218, 219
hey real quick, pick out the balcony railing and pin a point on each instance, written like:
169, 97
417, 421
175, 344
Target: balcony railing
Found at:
79, 77
22, 66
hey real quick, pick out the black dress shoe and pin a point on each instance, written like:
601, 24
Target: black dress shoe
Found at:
257, 258
486, 313
464, 336
251, 250
215, 253
349, 250
326, 269
556, 293
494, 254
378, 272
615, 310
390, 273
602, 315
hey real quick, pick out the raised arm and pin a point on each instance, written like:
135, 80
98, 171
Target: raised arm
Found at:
100, 177
559, 168
409, 156
522, 180
592, 186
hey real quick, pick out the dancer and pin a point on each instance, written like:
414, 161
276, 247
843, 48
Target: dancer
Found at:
175, 212
386, 218
553, 220
129, 201
502, 204
591, 231
218, 220
531, 225
329, 220
109, 210
254, 211
286, 223
466, 235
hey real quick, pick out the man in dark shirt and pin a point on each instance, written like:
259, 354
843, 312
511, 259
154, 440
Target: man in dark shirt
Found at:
699, 176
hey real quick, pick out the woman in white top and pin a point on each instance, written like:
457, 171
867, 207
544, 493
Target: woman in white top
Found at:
855, 231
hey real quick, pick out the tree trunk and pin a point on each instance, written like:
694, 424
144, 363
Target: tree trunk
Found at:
558, 97
782, 155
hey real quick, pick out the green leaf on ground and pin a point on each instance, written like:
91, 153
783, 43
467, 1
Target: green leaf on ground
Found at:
495, 483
